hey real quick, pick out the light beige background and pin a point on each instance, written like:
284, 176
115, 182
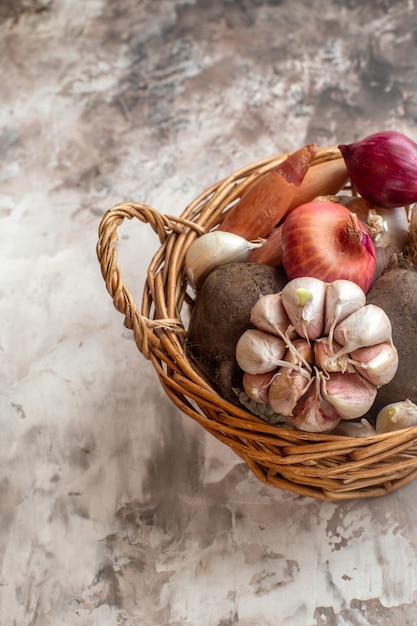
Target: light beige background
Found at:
115, 508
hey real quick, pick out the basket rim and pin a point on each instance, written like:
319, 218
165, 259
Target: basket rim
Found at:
160, 333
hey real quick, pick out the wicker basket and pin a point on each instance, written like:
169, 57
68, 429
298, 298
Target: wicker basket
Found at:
326, 467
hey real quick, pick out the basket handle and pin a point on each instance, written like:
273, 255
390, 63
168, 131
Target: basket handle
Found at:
107, 255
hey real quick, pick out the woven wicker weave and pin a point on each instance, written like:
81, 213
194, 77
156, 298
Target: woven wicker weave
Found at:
326, 467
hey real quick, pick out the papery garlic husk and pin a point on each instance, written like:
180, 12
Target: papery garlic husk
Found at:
343, 297
367, 326
388, 228
257, 386
350, 428
412, 246
260, 409
287, 387
258, 352
313, 413
396, 416
350, 394
293, 378
304, 299
269, 315
378, 363
213, 249
324, 356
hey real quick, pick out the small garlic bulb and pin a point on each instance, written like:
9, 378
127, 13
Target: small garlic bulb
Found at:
213, 249
396, 416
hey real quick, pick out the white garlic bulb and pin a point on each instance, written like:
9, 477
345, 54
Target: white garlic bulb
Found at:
396, 416
338, 351
213, 249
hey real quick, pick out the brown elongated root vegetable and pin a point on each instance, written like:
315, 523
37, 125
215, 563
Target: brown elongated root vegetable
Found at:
266, 202
271, 252
323, 179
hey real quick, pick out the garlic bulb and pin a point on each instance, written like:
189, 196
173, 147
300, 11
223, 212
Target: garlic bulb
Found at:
213, 249
315, 380
324, 356
412, 247
286, 389
396, 416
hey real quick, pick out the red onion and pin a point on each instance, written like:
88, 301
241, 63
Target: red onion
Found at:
383, 168
325, 240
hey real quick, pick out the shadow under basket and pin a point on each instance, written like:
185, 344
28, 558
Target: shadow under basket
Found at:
322, 466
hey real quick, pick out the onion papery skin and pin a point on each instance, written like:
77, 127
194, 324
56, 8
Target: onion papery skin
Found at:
383, 168
319, 239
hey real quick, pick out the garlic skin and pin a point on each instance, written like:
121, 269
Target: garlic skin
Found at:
213, 249
313, 413
396, 416
412, 246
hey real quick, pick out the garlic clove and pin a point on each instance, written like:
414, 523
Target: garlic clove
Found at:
343, 297
349, 393
286, 389
304, 299
396, 416
300, 353
412, 246
313, 413
257, 386
269, 315
349, 428
367, 326
258, 352
377, 363
324, 356
213, 249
